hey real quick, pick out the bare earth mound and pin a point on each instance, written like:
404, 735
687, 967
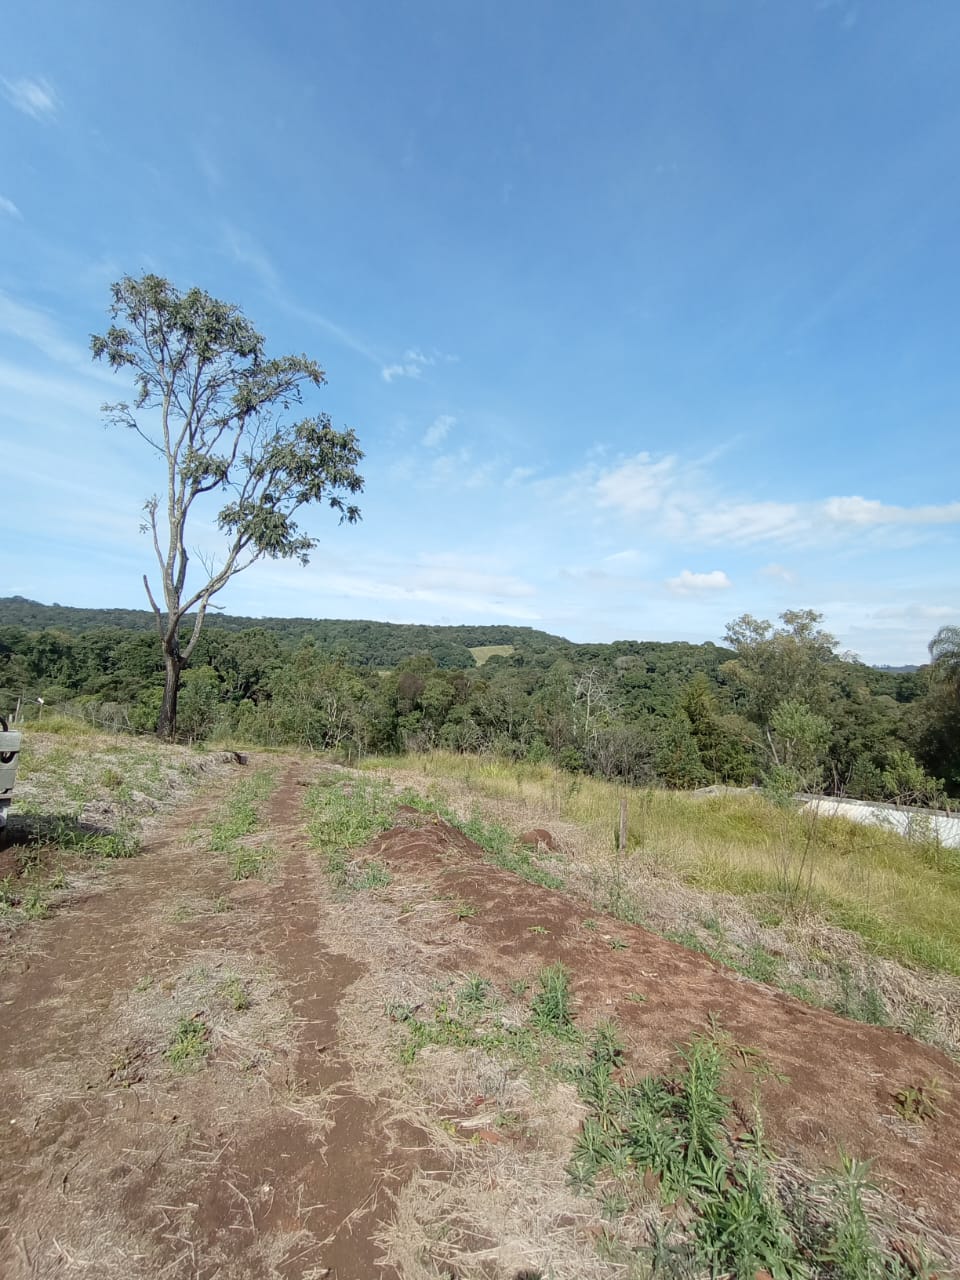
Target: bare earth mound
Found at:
843, 1075
199, 1078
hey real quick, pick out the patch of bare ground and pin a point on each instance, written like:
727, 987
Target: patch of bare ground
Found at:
842, 1076
81, 803
796, 951
175, 1101
205, 1078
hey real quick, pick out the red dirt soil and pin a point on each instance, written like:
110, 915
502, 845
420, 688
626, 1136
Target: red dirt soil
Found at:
137, 1172
843, 1075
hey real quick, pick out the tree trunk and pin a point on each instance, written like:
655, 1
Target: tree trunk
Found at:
167, 728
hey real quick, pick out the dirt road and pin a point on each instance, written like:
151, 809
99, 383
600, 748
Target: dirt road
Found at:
197, 1079
265, 1162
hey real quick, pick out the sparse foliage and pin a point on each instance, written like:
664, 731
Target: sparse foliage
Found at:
210, 404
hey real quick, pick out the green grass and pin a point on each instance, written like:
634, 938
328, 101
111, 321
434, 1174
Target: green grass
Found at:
680, 1127
234, 991
189, 1045
481, 652
901, 897
345, 815
239, 815
238, 818
249, 863
675, 1137
473, 1019
552, 1006
30, 900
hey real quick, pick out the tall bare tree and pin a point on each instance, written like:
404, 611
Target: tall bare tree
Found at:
211, 405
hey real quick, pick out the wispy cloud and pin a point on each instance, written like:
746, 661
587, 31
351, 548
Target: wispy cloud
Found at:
411, 365
687, 583
640, 484
36, 98
456, 584
37, 329
690, 507
778, 572
519, 474
438, 430
8, 207
244, 249
867, 511
413, 362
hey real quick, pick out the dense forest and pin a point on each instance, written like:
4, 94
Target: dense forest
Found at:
363, 644
776, 704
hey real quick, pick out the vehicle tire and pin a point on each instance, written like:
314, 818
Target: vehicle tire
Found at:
6, 757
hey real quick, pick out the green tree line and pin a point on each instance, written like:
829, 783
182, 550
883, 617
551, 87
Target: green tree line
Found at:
776, 704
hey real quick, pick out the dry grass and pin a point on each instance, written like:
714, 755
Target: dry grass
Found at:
106, 780
661, 883
899, 895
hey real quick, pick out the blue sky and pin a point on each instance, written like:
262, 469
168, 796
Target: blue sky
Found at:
645, 313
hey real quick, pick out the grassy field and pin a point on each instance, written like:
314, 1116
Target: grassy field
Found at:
901, 897
81, 797
481, 652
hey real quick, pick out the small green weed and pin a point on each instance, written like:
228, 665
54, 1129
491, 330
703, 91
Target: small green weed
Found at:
859, 1000
552, 1006
190, 1044
759, 965
248, 863
474, 1019
29, 899
920, 1102
679, 1129
240, 813
372, 875
475, 992
233, 990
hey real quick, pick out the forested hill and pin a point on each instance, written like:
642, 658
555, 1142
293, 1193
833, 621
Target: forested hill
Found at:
780, 706
365, 644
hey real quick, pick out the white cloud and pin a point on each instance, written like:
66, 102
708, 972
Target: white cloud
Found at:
36, 98
637, 485
245, 250
412, 364
8, 207
457, 584
689, 583
439, 429
743, 522
867, 511
684, 505
911, 613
